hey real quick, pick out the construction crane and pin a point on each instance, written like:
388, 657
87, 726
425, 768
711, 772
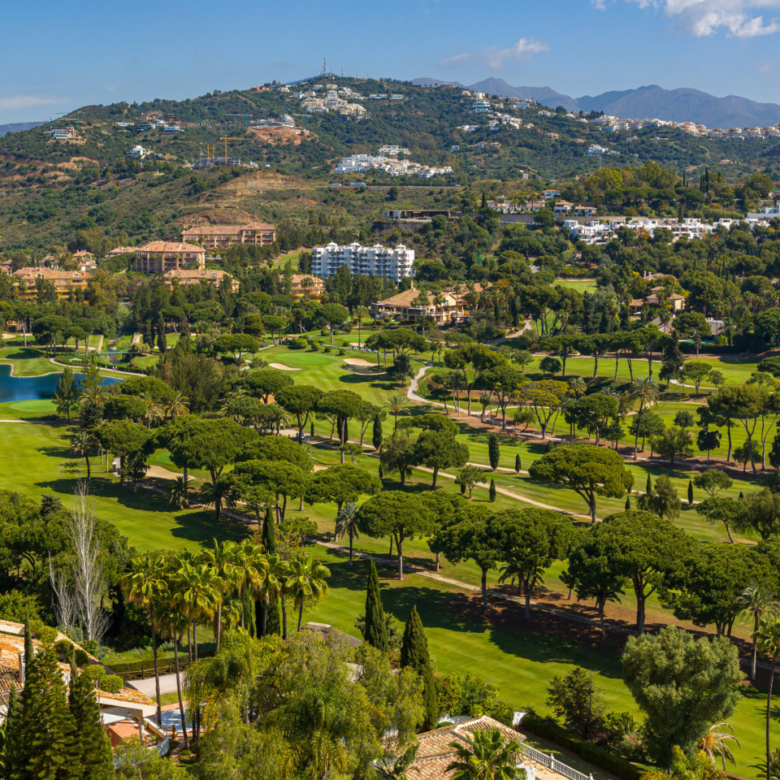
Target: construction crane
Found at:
307, 120
68, 113
227, 138
246, 117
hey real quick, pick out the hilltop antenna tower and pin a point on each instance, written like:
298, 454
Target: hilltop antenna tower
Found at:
324, 69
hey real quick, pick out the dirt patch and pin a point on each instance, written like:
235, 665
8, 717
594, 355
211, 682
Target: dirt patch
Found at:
260, 181
282, 367
72, 165
279, 135
227, 216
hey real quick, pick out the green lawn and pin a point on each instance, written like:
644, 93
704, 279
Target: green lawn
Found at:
521, 663
581, 285
35, 460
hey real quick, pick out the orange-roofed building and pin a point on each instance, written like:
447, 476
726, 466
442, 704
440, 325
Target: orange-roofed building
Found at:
224, 236
157, 257
64, 281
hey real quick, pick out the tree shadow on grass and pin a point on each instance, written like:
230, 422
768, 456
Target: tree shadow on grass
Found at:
57, 451
200, 526
539, 640
106, 487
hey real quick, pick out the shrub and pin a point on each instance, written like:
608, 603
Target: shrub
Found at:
111, 683
327, 349
299, 343
64, 649
324, 332
315, 346
81, 657
94, 672
342, 352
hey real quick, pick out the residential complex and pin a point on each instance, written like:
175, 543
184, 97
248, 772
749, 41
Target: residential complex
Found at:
603, 229
186, 276
63, 281
359, 163
156, 257
375, 260
307, 286
408, 305
223, 236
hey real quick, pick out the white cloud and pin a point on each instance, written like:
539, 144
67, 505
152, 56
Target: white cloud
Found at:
28, 101
700, 18
494, 57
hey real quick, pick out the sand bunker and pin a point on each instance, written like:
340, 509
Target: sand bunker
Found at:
359, 362
282, 367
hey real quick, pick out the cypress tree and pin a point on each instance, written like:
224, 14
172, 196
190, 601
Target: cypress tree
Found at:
494, 451
28, 645
45, 738
628, 503
414, 648
375, 632
273, 623
267, 613
463, 488
741, 495
268, 538
92, 749
311, 430
518, 464
690, 493
492, 492
430, 700
649, 485
414, 654
12, 747
381, 472
376, 433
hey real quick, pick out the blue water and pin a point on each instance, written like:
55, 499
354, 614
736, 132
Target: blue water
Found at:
34, 388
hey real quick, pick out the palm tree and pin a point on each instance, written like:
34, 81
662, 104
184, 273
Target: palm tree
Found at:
147, 585
196, 593
645, 389
81, 445
306, 584
178, 406
768, 638
252, 560
174, 623
178, 493
272, 586
754, 603
346, 524
397, 403
488, 756
578, 386
153, 409
713, 743
223, 559
217, 493
360, 312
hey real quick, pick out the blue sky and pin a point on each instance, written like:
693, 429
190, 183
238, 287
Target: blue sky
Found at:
57, 56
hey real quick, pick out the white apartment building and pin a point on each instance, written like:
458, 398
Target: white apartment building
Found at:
375, 260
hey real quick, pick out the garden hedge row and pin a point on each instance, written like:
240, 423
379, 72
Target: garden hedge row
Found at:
594, 755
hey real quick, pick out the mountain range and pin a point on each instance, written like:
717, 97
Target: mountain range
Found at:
17, 126
650, 102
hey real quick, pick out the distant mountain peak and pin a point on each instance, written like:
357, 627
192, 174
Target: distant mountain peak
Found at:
650, 101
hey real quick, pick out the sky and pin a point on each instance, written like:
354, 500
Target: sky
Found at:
58, 56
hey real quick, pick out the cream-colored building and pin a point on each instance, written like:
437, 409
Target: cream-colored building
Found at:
224, 236
157, 257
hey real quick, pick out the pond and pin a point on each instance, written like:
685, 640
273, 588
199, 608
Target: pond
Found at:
34, 388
